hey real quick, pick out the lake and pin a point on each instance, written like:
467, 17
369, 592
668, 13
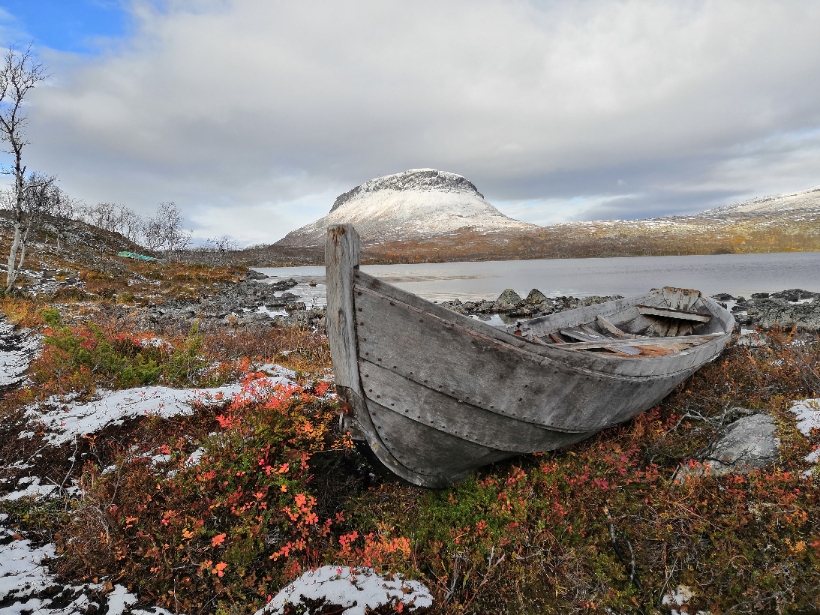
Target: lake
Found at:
737, 274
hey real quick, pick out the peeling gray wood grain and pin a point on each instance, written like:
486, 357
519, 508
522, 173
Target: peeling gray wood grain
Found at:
342, 260
678, 341
608, 326
457, 416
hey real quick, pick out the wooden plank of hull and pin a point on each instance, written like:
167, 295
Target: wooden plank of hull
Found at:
604, 323
680, 298
342, 259
499, 378
457, 417
435, 458
674, 314
680, 342
586, 334
622, 309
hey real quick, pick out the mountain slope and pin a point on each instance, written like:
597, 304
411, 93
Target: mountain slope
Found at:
803, 199
414, 205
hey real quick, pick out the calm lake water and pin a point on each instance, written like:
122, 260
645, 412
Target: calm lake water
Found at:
737, 274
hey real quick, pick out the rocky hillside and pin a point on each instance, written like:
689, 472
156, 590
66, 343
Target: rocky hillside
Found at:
416, 204
71, 261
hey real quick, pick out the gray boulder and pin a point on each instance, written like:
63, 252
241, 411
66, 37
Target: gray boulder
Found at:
748, 443
535, 297
509, 298
768, 313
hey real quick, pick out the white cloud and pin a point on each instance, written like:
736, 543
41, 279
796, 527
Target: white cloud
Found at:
246, 109
550, 211
256, 221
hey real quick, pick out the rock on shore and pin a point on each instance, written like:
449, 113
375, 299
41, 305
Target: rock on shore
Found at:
256, 301
245, 303
789, 308
510, 304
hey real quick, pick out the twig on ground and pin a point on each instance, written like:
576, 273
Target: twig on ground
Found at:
665, 583
73, 461
630, 563
753, 602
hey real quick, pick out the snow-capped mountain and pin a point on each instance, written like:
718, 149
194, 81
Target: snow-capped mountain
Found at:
416, 204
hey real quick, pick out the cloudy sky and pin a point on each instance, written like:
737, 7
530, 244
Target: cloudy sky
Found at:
252, 115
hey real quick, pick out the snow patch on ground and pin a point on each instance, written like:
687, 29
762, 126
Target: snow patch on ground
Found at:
26, 583
20, 566
807, 412
193, 459
63, 419
676, 600
119, 600
24, 579
31, 489
17, 349
354, 590
28, 586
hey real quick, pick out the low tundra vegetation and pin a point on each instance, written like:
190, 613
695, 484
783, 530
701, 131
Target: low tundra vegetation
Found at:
216, 512
78, 357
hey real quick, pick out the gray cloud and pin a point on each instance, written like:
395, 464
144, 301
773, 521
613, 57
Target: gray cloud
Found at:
252, 115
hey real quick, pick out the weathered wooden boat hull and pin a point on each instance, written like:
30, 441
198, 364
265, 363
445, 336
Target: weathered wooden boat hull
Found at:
437, 395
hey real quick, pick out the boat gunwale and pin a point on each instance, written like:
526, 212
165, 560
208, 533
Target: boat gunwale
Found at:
565, 358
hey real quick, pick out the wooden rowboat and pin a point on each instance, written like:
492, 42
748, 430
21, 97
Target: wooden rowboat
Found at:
436, 395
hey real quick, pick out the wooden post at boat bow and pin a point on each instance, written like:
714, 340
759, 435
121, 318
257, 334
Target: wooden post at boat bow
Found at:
341, 258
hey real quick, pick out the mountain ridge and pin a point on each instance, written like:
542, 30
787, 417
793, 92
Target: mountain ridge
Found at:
414, 204
786, 201
414, 179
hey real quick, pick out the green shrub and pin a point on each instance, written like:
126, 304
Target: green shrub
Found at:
81, 357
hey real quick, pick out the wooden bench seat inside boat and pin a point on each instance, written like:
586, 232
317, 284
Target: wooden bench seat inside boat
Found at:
673, 320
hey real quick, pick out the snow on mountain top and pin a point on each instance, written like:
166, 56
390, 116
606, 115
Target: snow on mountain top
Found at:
415, 204
414, 179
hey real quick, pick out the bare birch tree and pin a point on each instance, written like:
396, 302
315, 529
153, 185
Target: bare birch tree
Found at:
164, 231
41, 198
113, 218
219, 248
19, 74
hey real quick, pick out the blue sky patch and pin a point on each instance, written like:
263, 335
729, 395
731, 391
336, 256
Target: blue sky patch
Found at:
65, 25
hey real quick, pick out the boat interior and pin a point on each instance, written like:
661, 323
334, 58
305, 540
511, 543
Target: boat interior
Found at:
662, 322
